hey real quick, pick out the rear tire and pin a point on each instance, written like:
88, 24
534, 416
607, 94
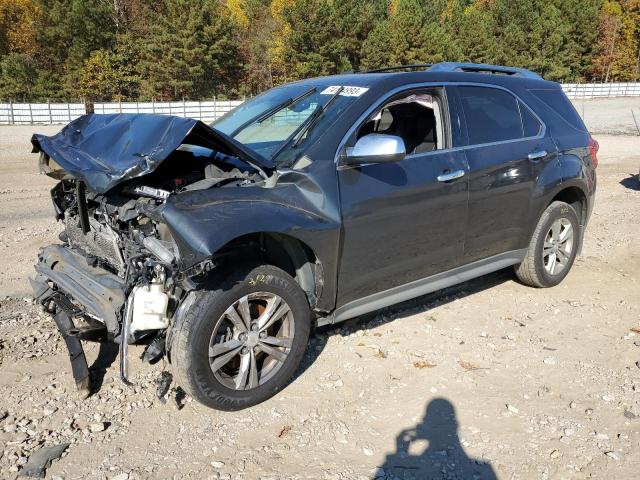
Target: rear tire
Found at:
553, 247
227, 354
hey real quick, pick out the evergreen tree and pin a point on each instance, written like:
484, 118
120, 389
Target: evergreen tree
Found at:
376, 51
474, 31
111, 74
70, 31
17, 76
109, 49
409, 36
191, 51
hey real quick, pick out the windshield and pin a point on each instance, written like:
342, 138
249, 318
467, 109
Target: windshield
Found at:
272, 124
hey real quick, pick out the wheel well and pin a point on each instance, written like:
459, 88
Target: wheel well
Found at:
282, 251
576, 198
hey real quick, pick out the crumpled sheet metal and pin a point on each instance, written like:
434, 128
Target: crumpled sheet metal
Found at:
105, 150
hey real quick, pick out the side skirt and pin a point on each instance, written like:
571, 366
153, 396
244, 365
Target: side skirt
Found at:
423, 286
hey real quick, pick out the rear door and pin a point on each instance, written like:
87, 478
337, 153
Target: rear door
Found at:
400, 222
506, 147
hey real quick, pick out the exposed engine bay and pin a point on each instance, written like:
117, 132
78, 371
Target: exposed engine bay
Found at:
114, 228
117, 275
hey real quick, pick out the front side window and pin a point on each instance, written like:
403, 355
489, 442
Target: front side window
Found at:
416, 118
492, 115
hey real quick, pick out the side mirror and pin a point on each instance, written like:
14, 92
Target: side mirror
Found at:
376, 148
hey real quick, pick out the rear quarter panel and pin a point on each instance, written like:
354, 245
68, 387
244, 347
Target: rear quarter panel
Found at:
573, 167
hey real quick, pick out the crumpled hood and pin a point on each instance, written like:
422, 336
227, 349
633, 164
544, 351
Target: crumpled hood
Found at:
105, 150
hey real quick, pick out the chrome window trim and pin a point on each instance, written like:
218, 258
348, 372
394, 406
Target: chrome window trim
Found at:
413, 86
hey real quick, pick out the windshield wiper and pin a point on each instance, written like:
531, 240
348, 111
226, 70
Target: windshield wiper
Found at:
307, 124
314, 117
272, 111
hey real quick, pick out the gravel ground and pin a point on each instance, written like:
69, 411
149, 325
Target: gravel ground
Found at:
490, 379
618, 116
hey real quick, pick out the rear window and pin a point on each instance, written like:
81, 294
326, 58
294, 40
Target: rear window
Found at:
492, 115
559, 103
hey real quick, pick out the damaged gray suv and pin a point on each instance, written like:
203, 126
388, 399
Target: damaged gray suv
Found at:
222, 246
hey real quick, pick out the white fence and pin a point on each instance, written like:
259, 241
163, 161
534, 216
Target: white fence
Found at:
207, 111
43, 113
593, 90
30, 113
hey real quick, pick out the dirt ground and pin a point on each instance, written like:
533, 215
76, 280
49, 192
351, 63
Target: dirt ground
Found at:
490, 379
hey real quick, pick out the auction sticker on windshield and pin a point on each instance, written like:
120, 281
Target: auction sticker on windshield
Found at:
346, 91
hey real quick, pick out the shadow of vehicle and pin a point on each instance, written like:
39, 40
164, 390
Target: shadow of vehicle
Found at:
426, 302
109, 351
632, 182
443, 458
320, 336
106, 356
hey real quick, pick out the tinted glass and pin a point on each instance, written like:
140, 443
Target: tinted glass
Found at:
558, 101
492, 115
530, 123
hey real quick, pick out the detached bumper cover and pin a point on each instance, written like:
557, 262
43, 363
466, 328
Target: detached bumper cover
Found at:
100, 292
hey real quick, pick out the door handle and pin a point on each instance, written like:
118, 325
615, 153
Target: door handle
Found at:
447, 177
537, 155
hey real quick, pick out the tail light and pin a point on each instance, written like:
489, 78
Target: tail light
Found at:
593, 150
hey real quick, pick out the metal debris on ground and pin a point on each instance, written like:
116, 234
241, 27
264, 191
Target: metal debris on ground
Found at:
38, 463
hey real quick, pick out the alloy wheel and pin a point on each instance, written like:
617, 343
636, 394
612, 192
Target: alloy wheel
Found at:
558, 245
251, 340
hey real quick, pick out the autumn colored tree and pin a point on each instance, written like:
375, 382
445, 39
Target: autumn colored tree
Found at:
170, 49
616, 51
19, 21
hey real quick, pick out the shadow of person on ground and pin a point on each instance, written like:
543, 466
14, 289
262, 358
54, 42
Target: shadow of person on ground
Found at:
444, 458
632, 182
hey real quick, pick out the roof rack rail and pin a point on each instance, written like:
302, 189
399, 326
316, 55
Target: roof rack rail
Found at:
414, 66
483, 68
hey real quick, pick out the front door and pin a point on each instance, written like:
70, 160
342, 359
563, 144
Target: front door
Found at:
400, 222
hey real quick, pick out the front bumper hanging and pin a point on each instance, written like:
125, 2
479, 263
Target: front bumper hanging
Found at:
63, 312
62, 275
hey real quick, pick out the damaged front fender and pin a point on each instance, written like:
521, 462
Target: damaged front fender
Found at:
202, 222
199, 233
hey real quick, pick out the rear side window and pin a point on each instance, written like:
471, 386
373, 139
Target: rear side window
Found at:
492, 115
559, 103
530, 123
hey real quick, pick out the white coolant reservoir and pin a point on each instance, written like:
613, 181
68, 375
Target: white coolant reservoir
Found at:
149, 308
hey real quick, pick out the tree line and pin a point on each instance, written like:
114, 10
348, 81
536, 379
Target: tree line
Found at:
197, 49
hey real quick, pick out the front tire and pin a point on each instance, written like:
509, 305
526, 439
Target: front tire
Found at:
553, 247
240, 344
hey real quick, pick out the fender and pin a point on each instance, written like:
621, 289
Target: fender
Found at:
573, 172
202, 222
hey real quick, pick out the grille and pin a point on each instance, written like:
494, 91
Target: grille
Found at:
100, 241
